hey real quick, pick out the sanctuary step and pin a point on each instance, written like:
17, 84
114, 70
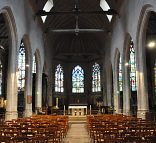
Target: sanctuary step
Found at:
77, 119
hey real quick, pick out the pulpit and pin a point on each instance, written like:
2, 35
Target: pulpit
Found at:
77, 110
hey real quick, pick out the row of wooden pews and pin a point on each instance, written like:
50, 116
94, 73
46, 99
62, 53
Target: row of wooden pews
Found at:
120, 129
35, 129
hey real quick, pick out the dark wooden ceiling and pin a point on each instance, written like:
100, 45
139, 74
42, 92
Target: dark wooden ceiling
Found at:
81, 46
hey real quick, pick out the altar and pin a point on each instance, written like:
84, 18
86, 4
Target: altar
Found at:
77, 110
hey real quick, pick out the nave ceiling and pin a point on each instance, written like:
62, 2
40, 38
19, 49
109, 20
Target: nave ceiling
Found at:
76, 45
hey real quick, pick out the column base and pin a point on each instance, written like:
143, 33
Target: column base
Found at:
120, 111
28, 113
9, 115
126, 112
142, 114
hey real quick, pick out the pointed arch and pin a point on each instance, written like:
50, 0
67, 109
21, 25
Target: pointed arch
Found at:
129, 82
78, 79
11, 105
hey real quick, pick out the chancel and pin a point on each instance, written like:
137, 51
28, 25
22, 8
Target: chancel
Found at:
78, 71
77, 110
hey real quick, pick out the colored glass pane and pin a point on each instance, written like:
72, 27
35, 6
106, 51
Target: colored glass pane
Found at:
34, 65
78, 80
96, 80
132, 63
59, 78
21, 68
120, 75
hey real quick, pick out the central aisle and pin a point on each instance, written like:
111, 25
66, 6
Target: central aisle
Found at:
77, 134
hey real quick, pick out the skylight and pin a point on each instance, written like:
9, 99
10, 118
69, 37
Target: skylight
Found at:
104, 5
48, 6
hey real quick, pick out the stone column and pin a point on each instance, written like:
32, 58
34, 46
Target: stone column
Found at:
116, 87
116, 94
142, 95
38, 92
50, 88
142, 88
109, 86
126, 90
28, 91
11, 105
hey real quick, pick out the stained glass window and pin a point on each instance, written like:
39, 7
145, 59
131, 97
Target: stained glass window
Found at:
21, 68
59, 79
1, 78
132, 63
120, 75
34, 65
96, 79
77, 80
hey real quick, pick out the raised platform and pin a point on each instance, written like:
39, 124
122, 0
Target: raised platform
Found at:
77, 119
77, 110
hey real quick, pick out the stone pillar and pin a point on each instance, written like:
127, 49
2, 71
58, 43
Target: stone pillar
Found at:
126, 90
116, 90
28, 91
38, 92
11, 105
142, 96
142, 88
104, 95
116, 98
109, 86
49, 90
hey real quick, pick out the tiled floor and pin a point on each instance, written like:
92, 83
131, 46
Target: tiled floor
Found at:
77, 134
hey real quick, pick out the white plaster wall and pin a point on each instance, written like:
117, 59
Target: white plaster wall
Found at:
127, 22
26, 25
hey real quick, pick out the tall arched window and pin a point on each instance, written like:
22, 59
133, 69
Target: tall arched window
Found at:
120, 75
59, 79
96, 78
77, 80
132, 64
21, 68
1, 78
34, 65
